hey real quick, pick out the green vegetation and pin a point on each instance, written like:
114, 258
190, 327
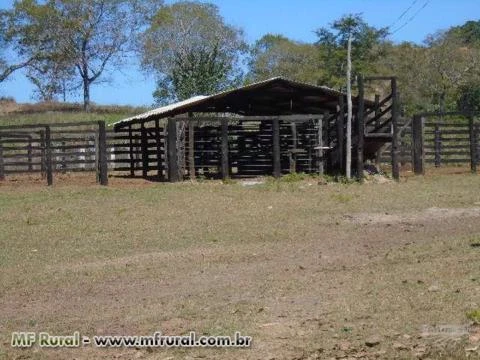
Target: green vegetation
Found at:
474, 316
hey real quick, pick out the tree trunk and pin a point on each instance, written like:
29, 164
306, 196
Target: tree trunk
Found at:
348, 149
86, 95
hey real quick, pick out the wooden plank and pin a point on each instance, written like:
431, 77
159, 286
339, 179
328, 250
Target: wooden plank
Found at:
48, 159
173, 175
102, 143
224, 148
418, 149
52, 125
395, 135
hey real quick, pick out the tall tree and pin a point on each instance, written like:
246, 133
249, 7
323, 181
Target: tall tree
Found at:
367, 46
85, 37
191, 51
276, 55
351, 45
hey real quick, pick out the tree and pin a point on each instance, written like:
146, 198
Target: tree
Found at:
351, 42
191, 51
367, 46
81, 37
276, 55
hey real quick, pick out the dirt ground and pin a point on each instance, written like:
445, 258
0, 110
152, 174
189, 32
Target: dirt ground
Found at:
309, 271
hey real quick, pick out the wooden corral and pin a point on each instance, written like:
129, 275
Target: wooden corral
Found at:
271, 128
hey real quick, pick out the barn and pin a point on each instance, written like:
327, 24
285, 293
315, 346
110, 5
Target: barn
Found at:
272, 127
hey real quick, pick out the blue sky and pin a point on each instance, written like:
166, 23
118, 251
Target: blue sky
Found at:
296, 19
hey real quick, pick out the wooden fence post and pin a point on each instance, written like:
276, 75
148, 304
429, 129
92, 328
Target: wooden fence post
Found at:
341, 134
48, 149
320, 145
276, 148
42, 154
418, 153
173, 175
360, 127
159, 150
132, 160
191, 148
144, 147
293, 153
225, 166
395, 116
102, 144
473, 144
2, 167
438, 145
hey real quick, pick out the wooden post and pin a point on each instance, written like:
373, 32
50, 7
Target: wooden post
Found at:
395, 116
378, 154
341, 134
473, 144
29, 153
173, 175
191, 148
438, 145
293, 152
48, 149
360, 127
159, 150
144, 147
276, 148
225, 167
320, 146
418, 153
42, 154
2, 167
102, 150
132, 160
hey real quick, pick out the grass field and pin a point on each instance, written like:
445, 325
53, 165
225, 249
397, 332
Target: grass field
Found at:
309, 271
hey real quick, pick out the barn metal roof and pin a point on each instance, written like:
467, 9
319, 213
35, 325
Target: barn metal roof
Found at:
275, 96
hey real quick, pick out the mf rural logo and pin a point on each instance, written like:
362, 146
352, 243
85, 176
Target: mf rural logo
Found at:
44, 339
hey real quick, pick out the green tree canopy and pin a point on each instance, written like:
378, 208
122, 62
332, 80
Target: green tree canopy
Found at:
276, 55
191, 51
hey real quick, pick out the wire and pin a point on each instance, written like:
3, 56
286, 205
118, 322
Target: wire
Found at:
411, 18
403, 14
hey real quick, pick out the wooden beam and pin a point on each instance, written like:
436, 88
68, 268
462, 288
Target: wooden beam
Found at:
144, 147
102, 144
173, 175
418, 153
224, 149
132, 160
42, 154
158, 141
276, 148
320, 148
